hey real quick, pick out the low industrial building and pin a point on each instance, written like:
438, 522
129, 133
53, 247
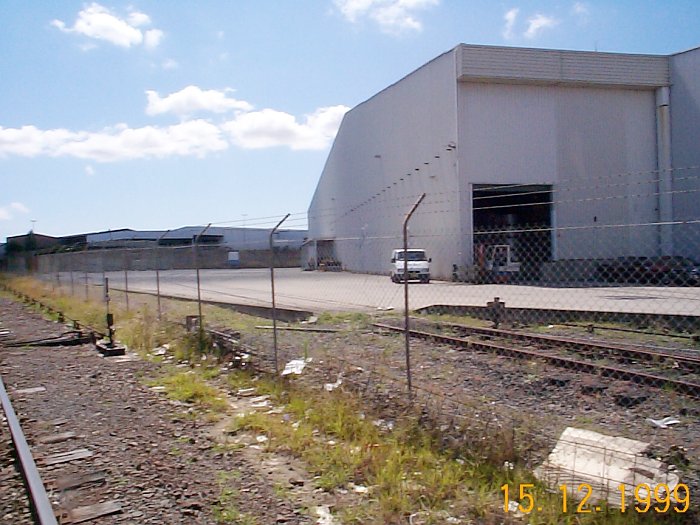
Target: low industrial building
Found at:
217, 247
234, 238
565, 156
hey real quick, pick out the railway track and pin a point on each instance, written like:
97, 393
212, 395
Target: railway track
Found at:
618, 351
659, 369
41, 505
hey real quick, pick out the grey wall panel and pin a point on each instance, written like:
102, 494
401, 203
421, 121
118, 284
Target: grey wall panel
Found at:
685, 150
566, 67
388, 151
596, 146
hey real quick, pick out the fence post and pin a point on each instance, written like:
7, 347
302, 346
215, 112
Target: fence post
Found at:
109, 319
199, 292
272, 285
85, 269
157, 261
405, 293
126, 277
102, 263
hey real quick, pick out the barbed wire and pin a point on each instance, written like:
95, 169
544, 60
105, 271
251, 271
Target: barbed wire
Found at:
559, 181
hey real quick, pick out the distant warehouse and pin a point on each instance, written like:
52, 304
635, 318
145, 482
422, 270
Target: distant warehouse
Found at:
562, 155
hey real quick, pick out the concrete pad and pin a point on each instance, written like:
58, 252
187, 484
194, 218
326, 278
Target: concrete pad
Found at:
344, 291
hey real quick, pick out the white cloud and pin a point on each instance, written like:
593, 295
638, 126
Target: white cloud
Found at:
9, 211
19, 207
191, 138
392, 16
510, 18
581, 11
152, 38
99, 23
538, 23
245, 128
89, 170
170, 64
269, 128
198, 137
29, 141
137, 19
193, 100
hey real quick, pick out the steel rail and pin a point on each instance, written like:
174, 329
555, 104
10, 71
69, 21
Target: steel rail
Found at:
685, 387
689, 363
37, 492
77, 325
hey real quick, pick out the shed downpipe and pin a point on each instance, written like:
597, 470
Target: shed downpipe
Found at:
665, 167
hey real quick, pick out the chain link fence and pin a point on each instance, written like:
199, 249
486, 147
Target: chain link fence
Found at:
540, 327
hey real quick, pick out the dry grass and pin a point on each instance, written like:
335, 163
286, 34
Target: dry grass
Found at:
407, 469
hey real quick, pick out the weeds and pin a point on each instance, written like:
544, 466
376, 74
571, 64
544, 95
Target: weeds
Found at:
226, 509
352, 320
408, 470
190, 387
341, 444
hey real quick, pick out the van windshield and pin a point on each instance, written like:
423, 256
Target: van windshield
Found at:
412, 256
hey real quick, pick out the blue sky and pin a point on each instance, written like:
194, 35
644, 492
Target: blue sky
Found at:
154, 115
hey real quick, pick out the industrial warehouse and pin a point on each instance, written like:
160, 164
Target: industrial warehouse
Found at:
566, 159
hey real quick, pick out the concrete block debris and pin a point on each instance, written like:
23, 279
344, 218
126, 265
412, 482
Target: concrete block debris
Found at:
603, 462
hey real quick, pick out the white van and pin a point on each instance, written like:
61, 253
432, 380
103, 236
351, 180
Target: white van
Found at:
418, 265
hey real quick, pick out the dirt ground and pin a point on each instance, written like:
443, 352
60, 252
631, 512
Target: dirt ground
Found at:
165, 466
469, 392
160, 464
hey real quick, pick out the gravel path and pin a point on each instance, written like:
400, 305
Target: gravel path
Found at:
159, 463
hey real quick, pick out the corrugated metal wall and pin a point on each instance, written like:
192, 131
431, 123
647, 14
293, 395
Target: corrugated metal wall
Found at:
569, 67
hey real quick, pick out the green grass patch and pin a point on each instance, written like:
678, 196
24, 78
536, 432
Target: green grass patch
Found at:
457, 319
408, 469
190, 387
350, 320
340, 443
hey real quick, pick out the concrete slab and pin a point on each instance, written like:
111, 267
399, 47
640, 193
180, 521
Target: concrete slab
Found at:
343, 291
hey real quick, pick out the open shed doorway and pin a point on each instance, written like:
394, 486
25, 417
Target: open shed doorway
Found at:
517, 216
320, 255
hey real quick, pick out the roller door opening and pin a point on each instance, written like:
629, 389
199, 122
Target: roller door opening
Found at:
512, 230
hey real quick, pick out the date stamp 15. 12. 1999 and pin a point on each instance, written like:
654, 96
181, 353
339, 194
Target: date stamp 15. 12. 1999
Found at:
641, 499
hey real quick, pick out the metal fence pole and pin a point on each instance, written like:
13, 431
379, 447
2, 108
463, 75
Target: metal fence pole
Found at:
126, 277
102, 264
157, 265
109, 320
272, 284
405, 292
199, 290
85, 269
